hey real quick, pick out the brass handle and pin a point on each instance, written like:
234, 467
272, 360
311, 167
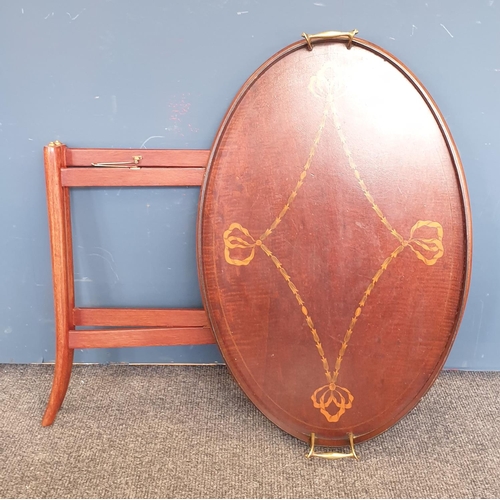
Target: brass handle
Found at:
332, 455
330, 35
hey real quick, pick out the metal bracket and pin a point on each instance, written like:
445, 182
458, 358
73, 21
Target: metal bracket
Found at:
330, 35
121, 164
332, 455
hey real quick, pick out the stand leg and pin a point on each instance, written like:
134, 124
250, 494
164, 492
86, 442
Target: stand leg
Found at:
62, 374
62, 274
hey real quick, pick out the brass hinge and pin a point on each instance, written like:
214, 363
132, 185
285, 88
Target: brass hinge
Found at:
132, 165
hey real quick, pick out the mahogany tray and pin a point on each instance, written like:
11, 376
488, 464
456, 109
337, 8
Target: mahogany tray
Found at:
334, 239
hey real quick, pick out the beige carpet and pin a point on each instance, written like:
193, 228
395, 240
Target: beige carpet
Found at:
172, 431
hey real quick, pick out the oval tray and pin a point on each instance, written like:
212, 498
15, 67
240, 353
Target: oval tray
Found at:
334, 244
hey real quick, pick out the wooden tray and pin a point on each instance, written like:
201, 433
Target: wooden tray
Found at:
334, 240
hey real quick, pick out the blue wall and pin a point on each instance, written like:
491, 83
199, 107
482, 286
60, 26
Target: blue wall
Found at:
160, 74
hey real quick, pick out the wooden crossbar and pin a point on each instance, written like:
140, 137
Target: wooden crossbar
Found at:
87, 316
84, 177
138, 337
72, 167
84, 157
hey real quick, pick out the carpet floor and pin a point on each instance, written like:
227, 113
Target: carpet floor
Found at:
189, 431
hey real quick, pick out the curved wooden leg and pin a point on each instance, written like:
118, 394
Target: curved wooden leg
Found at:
62, 374
62, 273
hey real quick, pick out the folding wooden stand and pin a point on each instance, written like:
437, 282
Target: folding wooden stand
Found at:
67, 167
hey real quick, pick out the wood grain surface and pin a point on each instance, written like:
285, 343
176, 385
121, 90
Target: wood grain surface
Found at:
139, 337
59, 219
334, 240
89, 316
159, 167
84, 157
87, 177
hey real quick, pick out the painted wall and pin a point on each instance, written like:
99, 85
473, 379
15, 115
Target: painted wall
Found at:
160, 74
